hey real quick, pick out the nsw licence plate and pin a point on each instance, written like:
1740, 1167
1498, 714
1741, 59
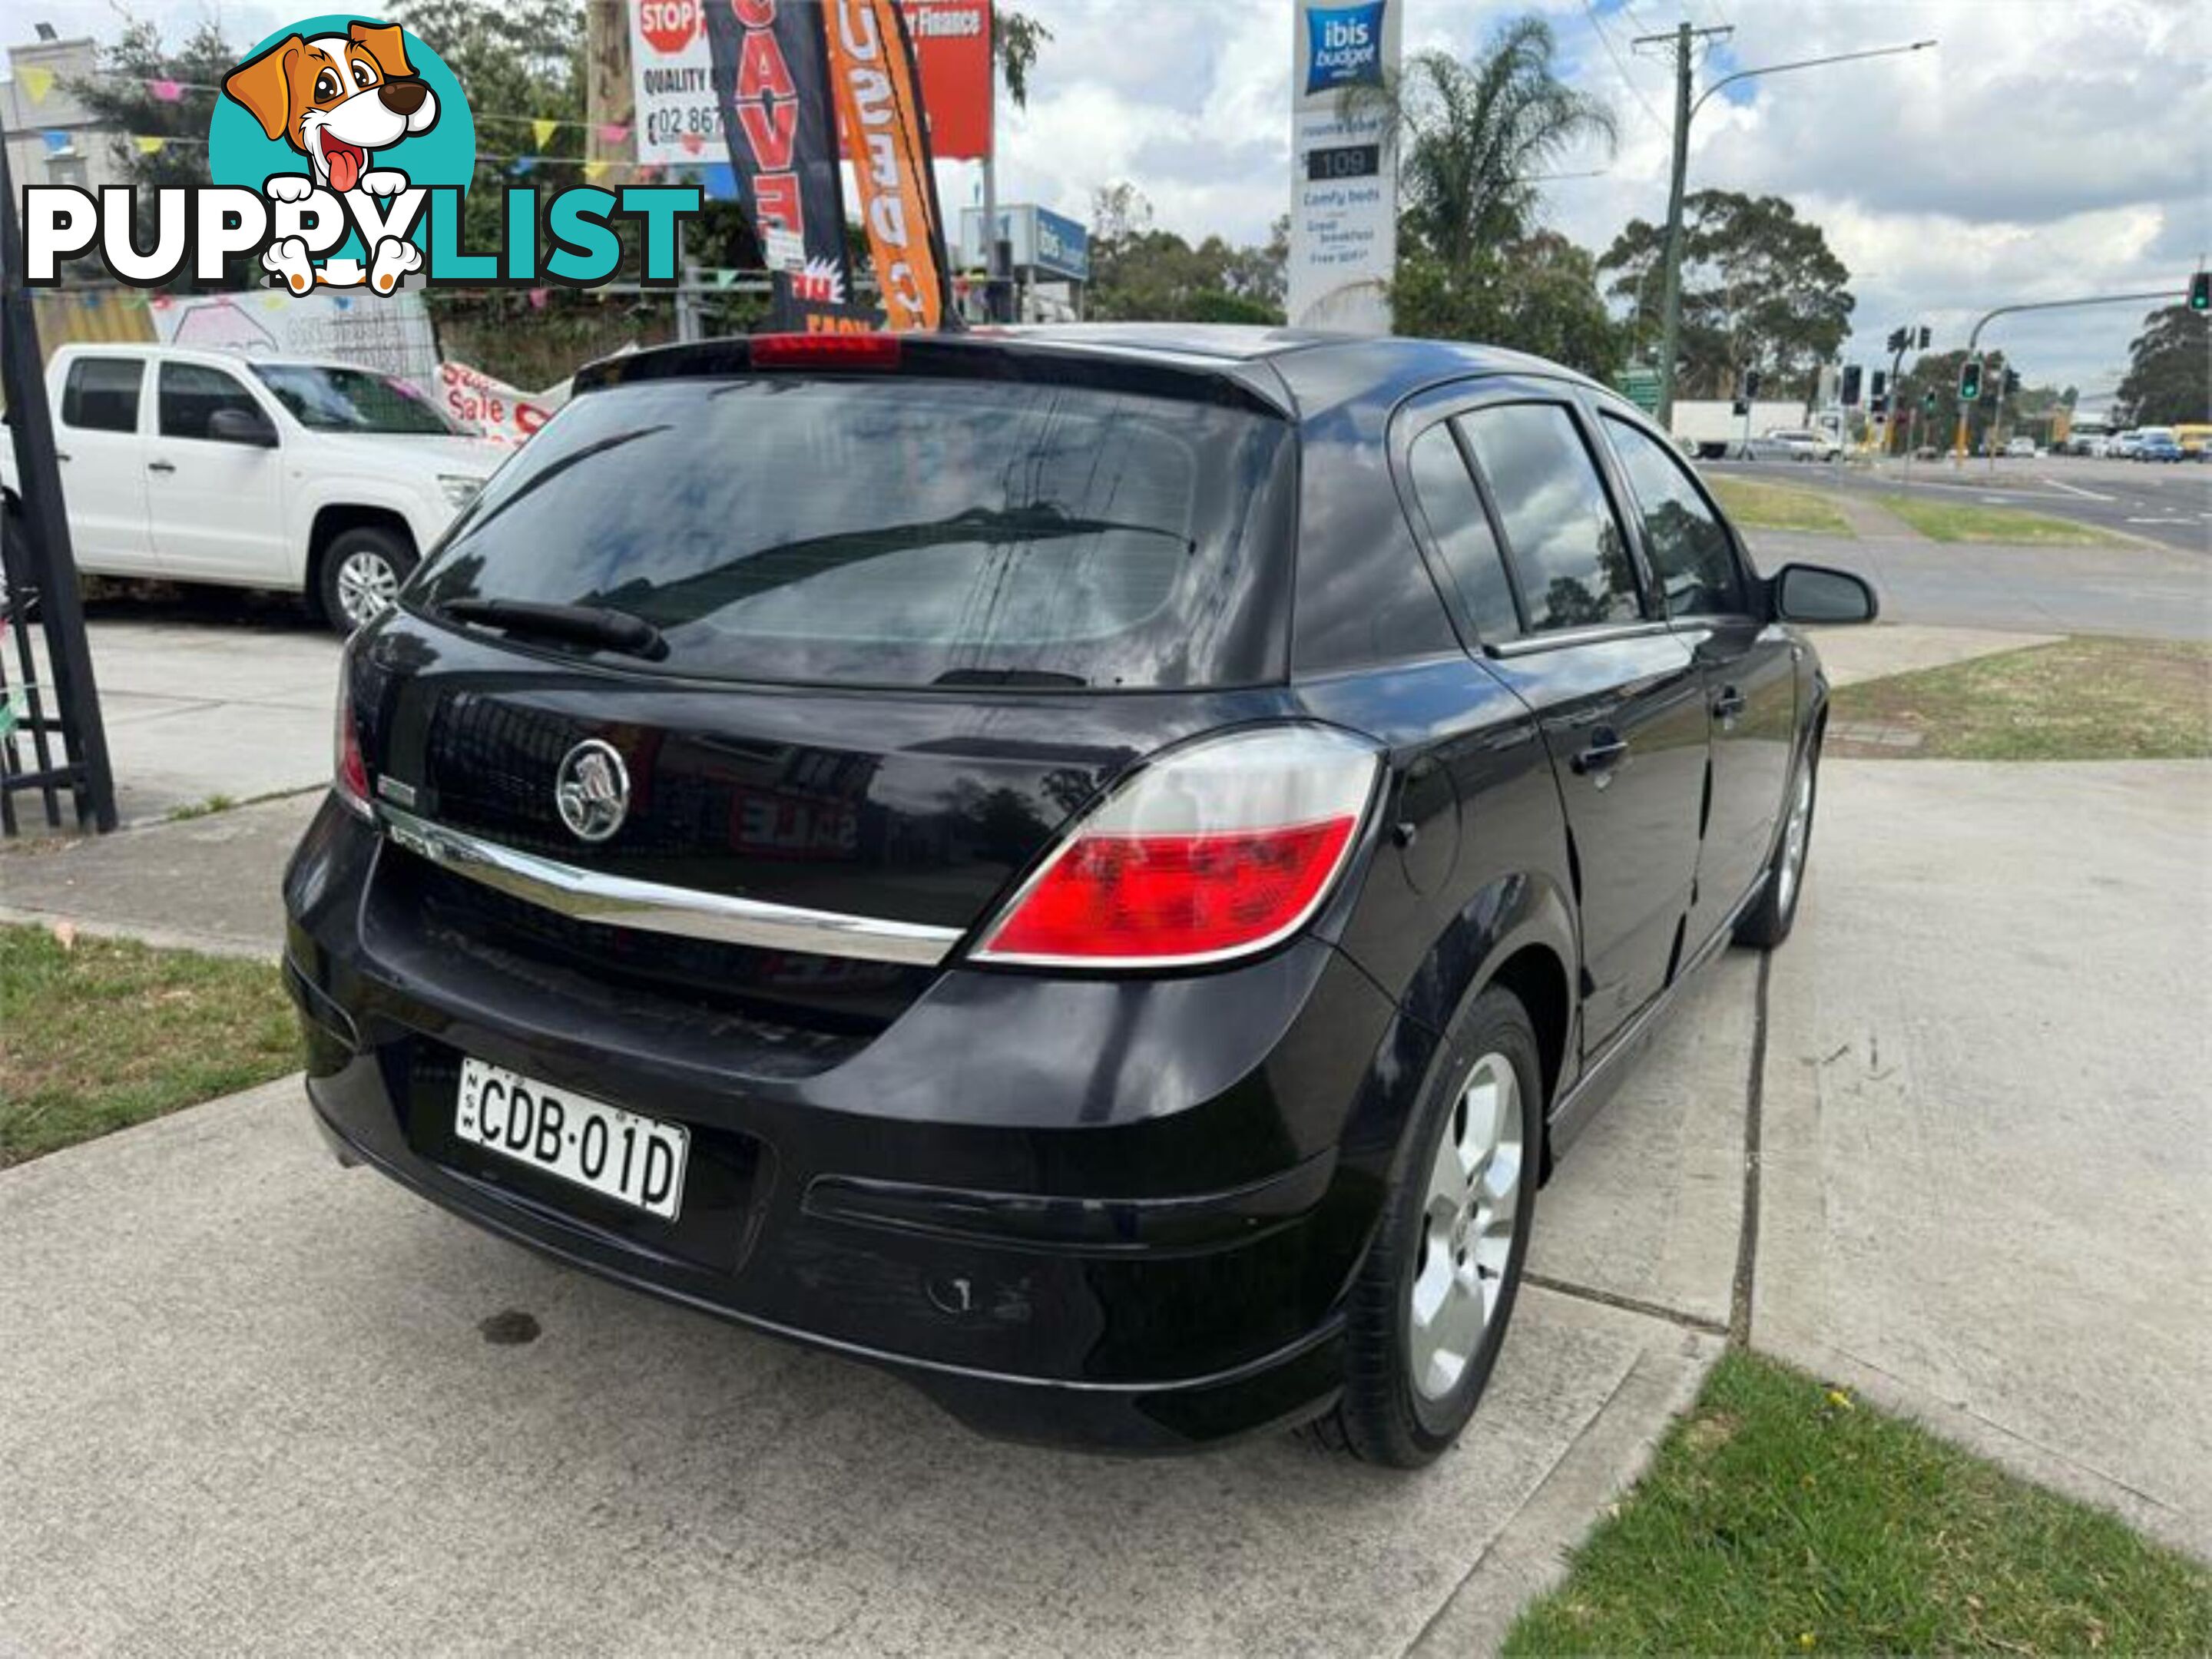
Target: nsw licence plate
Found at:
631, 1159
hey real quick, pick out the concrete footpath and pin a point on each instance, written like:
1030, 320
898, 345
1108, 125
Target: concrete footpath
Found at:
252, 1409
239, 706
202, 883
1986, 1162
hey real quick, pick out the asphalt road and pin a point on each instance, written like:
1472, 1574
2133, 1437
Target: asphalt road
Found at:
2146, 591
2169, 504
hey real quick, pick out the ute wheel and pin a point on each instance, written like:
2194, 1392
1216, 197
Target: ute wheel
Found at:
1768, 922
1430, 1309
361, 576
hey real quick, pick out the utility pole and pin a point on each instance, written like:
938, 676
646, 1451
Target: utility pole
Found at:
1679, 42
1670, 301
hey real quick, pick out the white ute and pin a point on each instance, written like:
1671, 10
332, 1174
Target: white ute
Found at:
325, 478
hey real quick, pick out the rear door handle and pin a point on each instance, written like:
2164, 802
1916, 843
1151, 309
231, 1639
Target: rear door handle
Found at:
1606, 750
1729, 706
61, 455
161, 466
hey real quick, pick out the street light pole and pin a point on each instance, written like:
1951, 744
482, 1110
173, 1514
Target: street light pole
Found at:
1974, 337
1686, 109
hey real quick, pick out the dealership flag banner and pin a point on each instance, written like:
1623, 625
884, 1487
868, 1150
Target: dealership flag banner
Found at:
769, 72
872, 65
1344, 177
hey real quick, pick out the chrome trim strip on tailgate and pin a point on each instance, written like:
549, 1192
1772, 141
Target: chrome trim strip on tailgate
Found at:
620, 902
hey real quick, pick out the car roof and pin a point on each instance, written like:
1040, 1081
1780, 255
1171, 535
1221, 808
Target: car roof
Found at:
211, 356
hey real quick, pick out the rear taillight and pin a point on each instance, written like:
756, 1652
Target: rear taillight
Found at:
350, 775
1216, 849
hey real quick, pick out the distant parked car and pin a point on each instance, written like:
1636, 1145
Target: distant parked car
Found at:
2123, 447
1802, 444
2020, 449
2195, 438
2156, 443
1767, 448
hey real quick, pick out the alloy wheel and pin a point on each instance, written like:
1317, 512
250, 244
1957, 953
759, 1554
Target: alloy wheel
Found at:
1468, 1216
1799, 832
367, 587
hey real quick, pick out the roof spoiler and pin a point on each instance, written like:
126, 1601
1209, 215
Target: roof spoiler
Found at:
1235, 383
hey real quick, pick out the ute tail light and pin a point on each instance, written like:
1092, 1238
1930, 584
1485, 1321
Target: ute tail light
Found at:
350, 775
1216, 849
824, 351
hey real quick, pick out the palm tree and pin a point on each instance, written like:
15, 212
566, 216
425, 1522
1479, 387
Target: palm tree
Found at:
1469, 137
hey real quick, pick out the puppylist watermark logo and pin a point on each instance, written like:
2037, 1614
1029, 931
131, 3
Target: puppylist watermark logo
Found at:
1343, 47
340, 152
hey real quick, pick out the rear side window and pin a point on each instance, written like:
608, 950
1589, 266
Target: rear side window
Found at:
902, 531
1688, 544
1447, 495
102, 393
192, 393
1566, 548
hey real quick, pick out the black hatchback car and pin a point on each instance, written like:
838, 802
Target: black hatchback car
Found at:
1096, 867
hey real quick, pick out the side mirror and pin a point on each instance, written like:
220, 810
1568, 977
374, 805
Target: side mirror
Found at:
1815, 593
234, 425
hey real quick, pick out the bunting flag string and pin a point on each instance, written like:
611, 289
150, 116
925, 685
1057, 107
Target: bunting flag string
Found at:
58, 139
38, 81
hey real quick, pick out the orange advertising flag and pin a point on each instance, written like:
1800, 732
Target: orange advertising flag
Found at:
871, 70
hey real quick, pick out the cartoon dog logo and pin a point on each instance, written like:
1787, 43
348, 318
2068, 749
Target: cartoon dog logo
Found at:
338, 99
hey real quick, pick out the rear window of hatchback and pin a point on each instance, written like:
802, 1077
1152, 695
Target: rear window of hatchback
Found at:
901, 530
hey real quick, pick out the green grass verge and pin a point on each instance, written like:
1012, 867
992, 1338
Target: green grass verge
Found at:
1972, 521
1755, 506
1781, 1516
106, 1033
2080, 699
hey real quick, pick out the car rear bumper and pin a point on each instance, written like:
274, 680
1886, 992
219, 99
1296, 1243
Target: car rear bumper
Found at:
1117, 1214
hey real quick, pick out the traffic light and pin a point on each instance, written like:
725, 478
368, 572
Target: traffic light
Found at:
2012, 383
1925, 336
1900, 339
1750, 385
1880, 387
1970, 380
1877, 406
1928, 401
2200, 291
1851, 377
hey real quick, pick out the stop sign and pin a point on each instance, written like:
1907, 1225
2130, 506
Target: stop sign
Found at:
669, 25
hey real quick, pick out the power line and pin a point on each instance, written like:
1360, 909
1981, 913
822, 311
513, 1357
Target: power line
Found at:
1619, 68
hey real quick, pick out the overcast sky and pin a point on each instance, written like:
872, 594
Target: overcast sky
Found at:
2046, 149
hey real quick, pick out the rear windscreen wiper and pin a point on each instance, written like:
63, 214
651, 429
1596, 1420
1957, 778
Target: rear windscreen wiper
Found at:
586, 625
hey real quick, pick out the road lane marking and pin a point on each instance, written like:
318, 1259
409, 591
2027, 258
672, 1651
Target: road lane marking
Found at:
2165, 520
2076, 489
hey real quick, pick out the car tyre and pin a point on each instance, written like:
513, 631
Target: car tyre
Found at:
1768, 922
360, 575
1452, 1242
